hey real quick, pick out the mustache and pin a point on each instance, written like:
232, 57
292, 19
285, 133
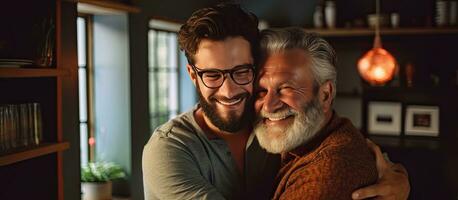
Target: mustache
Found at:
279, 114
283, 113
223, 98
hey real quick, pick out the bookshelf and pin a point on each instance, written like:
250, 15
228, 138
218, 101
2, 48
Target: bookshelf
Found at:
37, 171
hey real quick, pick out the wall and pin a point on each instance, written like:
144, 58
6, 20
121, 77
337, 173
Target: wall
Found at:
140, 129
111, 92
70, 108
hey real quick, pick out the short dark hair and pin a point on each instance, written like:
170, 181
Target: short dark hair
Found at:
218, 23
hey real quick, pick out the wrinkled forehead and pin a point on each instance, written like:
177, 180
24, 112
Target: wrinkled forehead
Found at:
285, 61
287, 66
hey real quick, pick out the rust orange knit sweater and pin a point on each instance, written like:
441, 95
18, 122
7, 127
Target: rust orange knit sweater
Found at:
331, 166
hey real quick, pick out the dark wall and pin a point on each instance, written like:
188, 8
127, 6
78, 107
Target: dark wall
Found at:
70, 108
140, 130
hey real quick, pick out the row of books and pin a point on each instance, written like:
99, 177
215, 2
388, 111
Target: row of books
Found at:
20, 126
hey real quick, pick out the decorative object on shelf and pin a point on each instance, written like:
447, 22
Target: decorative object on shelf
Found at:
330, 14
435, 80
441, 13
410, 71
318, 16
377, 66
453, 5
422, 120
395, 19
5, 62
46, 49
383, 20
263, 24
384, 118
20, 126
96, 179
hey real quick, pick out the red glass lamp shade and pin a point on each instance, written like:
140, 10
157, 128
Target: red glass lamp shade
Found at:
377, 66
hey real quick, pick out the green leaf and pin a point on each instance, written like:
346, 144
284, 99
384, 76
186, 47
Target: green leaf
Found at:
101, 172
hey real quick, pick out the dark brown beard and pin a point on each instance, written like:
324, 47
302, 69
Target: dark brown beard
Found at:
234, 123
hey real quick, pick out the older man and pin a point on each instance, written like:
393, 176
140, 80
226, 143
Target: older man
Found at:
323, 155
209, 152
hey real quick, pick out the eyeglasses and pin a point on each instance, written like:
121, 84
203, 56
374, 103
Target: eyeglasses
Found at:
214, 78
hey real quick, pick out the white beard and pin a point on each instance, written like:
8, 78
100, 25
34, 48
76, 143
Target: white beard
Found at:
306, 124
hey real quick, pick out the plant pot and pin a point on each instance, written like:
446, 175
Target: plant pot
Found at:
96, 191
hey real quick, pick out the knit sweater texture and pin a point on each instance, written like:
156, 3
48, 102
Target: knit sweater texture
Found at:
332, 165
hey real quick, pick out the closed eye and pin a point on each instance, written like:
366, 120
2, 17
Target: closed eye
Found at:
211, 75
285, 89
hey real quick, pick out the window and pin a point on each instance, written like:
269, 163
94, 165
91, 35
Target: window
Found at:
169, 85
84, 84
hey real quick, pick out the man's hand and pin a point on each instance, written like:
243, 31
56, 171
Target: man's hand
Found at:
393, 181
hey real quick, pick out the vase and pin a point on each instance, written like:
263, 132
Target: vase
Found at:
96, 190
330, 14
318, 17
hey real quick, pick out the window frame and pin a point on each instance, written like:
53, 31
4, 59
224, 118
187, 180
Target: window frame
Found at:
156, 69
89, 83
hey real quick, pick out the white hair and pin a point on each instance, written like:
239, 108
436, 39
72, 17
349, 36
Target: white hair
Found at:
323, 56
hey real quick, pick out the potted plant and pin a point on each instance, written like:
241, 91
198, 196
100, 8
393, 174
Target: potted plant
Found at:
96, 179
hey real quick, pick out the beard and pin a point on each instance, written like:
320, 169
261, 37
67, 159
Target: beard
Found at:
306, 124
233, 122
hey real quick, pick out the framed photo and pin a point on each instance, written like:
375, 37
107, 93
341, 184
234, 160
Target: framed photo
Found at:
384, 118
422, 120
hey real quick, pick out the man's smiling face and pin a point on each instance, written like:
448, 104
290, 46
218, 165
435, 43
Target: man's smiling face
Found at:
229, 106
288, 108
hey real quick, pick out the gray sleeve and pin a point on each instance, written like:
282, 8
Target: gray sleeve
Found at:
170, 172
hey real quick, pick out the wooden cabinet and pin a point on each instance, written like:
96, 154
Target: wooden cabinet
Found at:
37, 172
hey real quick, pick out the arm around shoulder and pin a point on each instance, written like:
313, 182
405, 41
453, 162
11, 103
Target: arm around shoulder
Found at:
328, 178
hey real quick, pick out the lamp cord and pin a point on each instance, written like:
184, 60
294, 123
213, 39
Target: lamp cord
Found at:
377, 40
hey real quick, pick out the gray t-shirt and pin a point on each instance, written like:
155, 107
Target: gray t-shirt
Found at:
181, 162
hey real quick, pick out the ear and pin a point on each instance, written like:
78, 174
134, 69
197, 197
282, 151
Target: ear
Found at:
192, 74
325, 95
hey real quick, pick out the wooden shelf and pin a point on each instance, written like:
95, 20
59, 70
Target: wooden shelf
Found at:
352, 32
31, 72
32, 152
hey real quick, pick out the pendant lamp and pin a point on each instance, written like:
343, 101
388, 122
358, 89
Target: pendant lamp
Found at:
377, 66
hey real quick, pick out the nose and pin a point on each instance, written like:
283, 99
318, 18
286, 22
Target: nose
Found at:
272, 102
229, 88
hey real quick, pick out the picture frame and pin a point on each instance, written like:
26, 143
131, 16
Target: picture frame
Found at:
384, 118
422, 121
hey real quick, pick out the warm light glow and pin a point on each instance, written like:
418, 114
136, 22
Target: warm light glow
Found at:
377, 66
378, 73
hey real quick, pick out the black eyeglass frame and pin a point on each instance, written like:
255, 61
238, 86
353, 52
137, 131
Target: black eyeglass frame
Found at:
200, 72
